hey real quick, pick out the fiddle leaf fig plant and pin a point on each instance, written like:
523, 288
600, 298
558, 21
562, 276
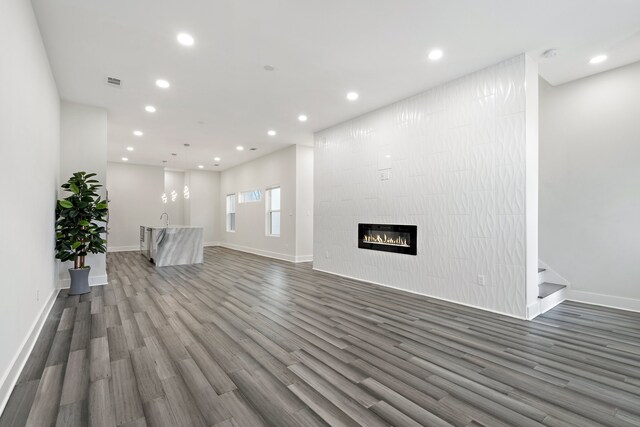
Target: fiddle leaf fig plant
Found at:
78, 218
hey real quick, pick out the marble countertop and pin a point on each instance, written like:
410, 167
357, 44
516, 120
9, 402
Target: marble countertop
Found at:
172, 226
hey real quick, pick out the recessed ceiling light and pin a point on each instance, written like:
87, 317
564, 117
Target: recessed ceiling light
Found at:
162, 83
271, 133
138, 133
150, 109
435, 54
352, 96
598, 59
129, 148
269, 67
239, 148
302, 118
216, 159
253, 149
125, 159
185, 39
200, 166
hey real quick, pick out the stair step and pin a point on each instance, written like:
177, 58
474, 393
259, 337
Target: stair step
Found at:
540, 270
545, 289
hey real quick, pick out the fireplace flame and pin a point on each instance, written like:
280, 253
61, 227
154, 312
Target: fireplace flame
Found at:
384, 240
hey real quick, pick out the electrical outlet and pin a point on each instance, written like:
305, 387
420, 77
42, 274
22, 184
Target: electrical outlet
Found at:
385, 174
481, 279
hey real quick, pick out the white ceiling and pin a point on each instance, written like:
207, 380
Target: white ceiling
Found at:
221, 96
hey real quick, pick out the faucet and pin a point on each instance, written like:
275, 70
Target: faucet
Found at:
163, 214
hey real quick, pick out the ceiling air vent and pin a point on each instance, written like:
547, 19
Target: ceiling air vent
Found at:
112, 81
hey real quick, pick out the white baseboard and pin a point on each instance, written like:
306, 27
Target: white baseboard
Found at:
93, 281
533, 310
543, 305
422, 294
10, 377
123, 248
268, 254
622, 303
304, 258
209, 244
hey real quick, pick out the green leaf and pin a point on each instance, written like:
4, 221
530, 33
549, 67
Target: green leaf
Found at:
76, 245
74, 188
65, 204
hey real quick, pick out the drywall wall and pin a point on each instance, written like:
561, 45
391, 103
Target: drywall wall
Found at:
29, 148
304, 203
274, 169
134, 199
83, 147
203, 205
590, 185
456, 161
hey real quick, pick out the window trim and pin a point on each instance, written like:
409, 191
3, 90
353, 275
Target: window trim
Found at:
269, 211
228, 213
241, 199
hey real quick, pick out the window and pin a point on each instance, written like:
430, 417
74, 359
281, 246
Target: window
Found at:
250, 196
231, 212
273, 211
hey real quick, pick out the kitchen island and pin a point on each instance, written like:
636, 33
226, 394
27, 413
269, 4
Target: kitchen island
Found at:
172, 245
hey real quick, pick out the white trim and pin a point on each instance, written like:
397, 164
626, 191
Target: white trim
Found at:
11, 375
304, 258
268, 254
421, 294
93, 281
207, 244
123, 248
622, 303
542, 305
533, 310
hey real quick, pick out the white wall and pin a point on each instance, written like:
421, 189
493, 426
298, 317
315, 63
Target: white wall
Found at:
203, 206
274, 169
590, 185
83, 147
134, 199
304, 202
457, 170
29, 149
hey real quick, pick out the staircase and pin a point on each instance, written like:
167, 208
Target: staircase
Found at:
550, 294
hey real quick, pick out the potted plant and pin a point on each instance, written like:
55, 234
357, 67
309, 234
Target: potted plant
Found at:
78, 231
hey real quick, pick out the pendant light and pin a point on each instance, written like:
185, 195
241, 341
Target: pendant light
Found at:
185, 191
164, 195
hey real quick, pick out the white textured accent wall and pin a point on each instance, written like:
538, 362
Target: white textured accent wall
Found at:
456, 160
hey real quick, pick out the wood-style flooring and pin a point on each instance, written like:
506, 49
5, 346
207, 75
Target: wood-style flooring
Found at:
243, 340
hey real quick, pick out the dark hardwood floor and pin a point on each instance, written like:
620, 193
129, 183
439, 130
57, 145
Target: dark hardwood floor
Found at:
244, 340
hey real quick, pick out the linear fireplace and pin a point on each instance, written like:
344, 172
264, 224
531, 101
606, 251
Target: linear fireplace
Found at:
396, 238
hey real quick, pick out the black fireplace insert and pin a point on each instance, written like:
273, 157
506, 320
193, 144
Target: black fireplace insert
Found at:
401, 239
